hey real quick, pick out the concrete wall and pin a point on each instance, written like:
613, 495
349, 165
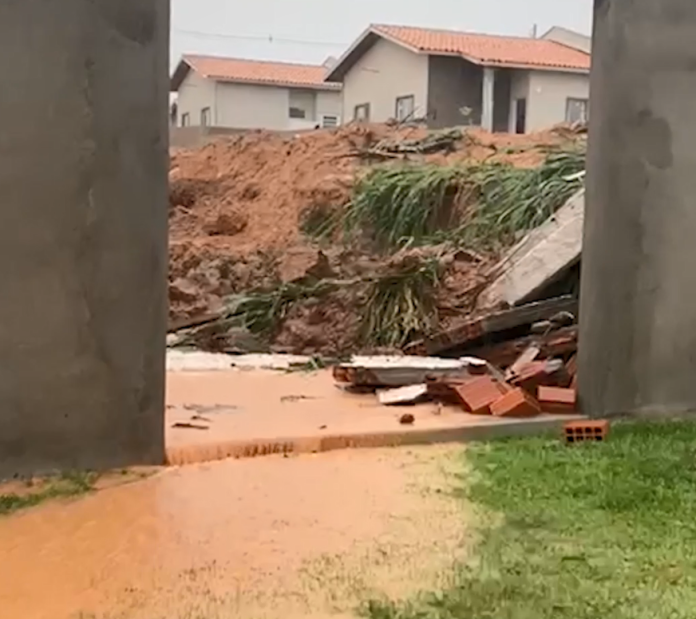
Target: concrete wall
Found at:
386, 71
569, 38
453, 83
638, 287
548, 94
250, 106
83, 233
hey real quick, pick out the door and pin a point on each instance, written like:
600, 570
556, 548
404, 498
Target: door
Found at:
521, 115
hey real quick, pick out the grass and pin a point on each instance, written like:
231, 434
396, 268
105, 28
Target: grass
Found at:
480, 205
401, 305
592, 531
63, 486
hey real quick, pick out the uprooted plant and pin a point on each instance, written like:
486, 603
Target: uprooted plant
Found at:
480, 205
401, 304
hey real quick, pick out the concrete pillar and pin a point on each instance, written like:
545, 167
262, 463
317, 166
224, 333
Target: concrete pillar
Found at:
487, 98
638, 292
83, 232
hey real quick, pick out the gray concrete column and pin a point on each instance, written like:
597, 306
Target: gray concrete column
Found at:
83, 232
637, 350
487, 98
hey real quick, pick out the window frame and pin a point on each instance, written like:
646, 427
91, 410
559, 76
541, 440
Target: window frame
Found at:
185, 119
410, 115
206, 117
362, 106
585, 106
302, 115
335, 121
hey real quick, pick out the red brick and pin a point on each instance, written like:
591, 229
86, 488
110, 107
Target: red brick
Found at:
477, 394
587, 430
557, 399
530, 376
516, 403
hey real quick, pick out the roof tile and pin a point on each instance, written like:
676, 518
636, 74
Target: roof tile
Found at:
489, 49
259, 71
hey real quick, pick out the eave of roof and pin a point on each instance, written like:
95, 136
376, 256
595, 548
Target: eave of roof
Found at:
376, 31
188, 63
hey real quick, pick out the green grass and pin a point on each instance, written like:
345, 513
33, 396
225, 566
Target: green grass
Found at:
594, 531
484, 205
63, 486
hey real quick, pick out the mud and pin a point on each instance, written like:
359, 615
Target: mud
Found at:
310, 536
239, 205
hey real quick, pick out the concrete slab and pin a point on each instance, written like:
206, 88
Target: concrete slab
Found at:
259, 412
541, 256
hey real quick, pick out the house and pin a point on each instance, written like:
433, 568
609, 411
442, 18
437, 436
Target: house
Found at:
454, 78
569, 38
252, 94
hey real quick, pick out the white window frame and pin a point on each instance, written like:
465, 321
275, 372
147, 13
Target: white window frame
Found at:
206, 117
185, 119
405, 107
364, 107
584, 107
330, 121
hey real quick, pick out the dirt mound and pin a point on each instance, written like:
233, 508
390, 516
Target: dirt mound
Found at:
239, 205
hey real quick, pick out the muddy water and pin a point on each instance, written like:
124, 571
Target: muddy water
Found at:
301, 537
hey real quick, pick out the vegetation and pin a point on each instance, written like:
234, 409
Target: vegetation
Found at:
399, 205
401, 305
480, 205
589, 531
65, 485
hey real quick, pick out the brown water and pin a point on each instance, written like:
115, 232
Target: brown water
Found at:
309, 536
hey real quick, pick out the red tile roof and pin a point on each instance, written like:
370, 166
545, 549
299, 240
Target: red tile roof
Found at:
254, 71
488, 49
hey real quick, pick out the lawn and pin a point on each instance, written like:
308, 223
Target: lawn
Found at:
604, 530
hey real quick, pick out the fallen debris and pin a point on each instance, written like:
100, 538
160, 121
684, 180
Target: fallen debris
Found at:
400, 396
557, 400
586, 430
396, 371
407, 419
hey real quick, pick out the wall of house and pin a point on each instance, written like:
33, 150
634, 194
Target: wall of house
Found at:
519, 89
453, 84
249, 106
548, 94
386, 71
195, 94
329, 103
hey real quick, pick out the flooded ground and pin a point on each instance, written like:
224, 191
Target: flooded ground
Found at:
310, 536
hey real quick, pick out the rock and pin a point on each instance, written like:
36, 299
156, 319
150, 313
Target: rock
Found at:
407, 419
225, 223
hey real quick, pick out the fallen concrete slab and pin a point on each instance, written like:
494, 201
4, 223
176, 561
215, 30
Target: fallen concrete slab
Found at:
541, 257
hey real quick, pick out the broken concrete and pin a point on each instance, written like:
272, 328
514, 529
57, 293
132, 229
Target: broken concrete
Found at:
543, 256
83, 233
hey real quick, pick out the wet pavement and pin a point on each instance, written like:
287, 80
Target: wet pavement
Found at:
305, 536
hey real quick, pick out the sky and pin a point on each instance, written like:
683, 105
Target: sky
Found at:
312, 30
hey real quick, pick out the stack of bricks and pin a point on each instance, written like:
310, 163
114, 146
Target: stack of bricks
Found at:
534, 387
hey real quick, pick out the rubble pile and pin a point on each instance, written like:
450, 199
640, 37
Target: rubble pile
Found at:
540, 378
238, 207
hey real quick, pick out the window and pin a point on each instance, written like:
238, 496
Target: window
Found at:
405, 107
205, 117
577, 110
185, 120
328, 121
297, 112
361, 112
